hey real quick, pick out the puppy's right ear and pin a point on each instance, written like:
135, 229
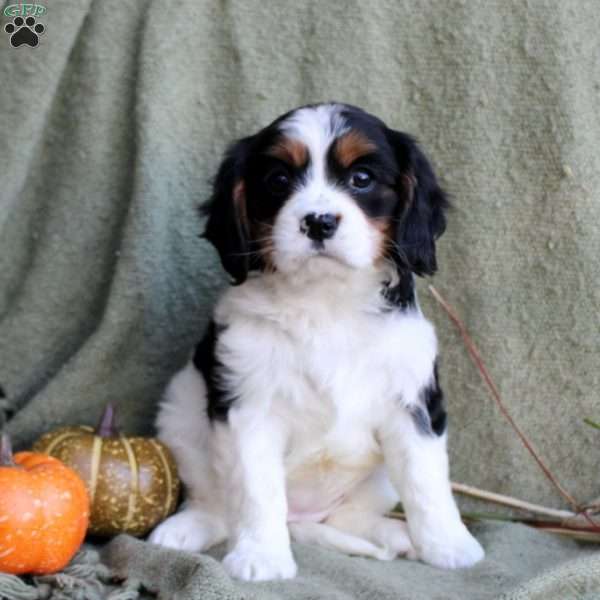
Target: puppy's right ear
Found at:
227, 224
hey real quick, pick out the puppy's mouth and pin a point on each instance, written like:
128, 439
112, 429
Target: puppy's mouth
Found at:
320, 250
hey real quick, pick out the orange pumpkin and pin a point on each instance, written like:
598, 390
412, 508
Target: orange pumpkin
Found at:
44, 512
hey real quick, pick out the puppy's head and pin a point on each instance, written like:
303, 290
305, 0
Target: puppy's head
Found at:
328, 182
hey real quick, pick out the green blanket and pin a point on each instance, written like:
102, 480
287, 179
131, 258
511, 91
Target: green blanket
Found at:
110, 130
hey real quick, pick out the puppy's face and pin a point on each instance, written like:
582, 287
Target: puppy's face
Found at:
327, 182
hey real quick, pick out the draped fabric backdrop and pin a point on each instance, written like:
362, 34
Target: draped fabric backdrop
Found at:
111, 129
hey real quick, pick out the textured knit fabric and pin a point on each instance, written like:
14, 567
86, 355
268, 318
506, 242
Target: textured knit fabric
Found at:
110, 131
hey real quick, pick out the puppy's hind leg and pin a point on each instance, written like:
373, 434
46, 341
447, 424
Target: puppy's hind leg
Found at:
321, 534
363, 512
192, 529
358, 526
183, 425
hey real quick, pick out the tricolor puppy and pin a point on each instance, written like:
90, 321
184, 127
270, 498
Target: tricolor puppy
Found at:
312, 405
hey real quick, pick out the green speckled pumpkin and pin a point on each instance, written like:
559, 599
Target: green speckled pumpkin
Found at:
132, 481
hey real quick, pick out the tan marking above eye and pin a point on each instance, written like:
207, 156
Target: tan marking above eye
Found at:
291, 151
351, 146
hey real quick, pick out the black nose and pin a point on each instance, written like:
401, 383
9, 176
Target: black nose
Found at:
319, 227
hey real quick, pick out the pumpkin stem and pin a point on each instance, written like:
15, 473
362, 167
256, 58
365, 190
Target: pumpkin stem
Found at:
106, 426
6, 455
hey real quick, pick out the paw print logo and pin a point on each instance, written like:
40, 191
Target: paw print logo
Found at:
24, 31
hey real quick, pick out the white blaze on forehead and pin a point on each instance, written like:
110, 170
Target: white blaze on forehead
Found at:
316, 127
356, 243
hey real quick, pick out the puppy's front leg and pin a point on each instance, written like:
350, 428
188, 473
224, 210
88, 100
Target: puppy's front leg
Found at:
417, 463
259, 537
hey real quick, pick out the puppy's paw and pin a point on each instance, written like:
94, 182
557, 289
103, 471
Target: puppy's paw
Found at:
393, 535
457, 550
254, 562
182, 531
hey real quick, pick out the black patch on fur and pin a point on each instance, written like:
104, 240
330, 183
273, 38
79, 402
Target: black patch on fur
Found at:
262, 204
430, 415
421, 420
406, 190
402, 295
231, 233
421, 216
226, 228
205, 360
380, 200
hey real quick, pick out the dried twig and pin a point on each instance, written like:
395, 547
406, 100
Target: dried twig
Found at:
574, 530
592, 506
582, 535
503, 500
535, 509
476, 357
592, 423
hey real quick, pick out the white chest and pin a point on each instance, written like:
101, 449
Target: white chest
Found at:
329, 367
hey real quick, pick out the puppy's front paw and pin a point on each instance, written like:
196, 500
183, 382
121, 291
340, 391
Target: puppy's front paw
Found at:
253, 562
457, 550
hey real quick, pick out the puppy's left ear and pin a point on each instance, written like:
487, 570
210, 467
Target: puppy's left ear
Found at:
422, 210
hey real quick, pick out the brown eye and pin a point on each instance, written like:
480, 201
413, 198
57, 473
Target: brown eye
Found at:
278, 182
361, 179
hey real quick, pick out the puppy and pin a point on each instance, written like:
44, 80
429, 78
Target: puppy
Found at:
313, 405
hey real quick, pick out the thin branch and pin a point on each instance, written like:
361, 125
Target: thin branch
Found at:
474, 492
592, 423
476, 357
592, 506
582, 535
